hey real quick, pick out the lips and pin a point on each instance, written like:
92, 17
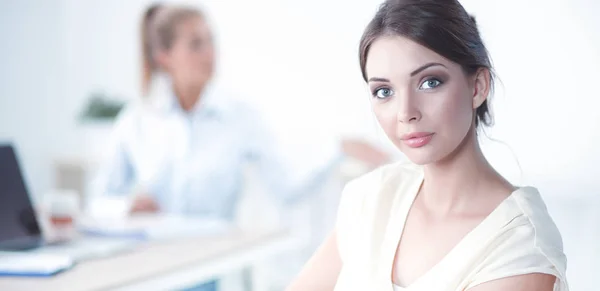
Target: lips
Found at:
417, 139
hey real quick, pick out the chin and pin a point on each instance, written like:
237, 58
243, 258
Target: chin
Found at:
421, 156
419, 159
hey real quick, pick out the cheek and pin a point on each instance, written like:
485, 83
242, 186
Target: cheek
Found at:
203, 61
208, 56
455, 112
386, 116
181, 62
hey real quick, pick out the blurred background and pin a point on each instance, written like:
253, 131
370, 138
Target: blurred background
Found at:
297, 62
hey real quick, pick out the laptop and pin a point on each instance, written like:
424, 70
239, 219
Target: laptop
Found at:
20, 228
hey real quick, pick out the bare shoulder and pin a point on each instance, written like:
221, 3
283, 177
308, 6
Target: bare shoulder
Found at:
528, 282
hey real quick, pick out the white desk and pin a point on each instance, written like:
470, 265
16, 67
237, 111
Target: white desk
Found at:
164, 266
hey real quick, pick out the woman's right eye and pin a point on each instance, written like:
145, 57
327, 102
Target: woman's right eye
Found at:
383, 93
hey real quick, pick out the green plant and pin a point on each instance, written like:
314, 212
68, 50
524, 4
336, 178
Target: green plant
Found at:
101, 108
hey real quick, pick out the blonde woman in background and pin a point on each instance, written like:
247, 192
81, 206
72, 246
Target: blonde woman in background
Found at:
181, 149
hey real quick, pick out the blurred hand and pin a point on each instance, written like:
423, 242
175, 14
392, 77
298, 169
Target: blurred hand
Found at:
144, 204
365, 152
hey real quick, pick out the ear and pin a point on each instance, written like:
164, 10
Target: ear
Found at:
481, 87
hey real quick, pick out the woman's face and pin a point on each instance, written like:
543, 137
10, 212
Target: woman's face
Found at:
190, 59
424, 102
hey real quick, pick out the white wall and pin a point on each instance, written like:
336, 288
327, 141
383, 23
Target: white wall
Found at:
32, 83
543, 55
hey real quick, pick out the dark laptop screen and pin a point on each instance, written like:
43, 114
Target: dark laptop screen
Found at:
18, 224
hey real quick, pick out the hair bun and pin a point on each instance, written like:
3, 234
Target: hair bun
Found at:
473, 19
152, 10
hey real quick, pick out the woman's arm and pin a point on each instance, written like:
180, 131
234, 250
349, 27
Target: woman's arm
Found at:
289, 171
321, 272
365, 152
528, 282
115, 175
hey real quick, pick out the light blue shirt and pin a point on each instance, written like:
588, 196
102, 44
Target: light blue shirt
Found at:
193, 162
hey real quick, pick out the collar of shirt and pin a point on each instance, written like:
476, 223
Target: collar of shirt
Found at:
164, 99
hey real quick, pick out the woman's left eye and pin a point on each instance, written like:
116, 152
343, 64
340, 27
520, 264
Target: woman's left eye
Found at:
430, 84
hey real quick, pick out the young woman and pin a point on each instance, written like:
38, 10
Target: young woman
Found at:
446, 220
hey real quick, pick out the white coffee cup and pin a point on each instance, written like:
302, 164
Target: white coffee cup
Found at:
62, 206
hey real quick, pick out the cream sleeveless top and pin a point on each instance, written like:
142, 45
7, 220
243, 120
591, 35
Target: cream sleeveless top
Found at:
518, 237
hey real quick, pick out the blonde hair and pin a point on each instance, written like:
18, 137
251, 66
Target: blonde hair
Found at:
158, 32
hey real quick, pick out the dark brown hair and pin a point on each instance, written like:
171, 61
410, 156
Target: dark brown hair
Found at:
158, 30
440, 25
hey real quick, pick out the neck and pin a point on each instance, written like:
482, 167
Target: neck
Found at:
188, 96
451, 183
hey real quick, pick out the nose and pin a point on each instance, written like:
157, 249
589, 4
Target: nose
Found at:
408, 112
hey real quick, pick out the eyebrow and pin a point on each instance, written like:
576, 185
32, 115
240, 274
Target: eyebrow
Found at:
378, 80
423, 67
412, 74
